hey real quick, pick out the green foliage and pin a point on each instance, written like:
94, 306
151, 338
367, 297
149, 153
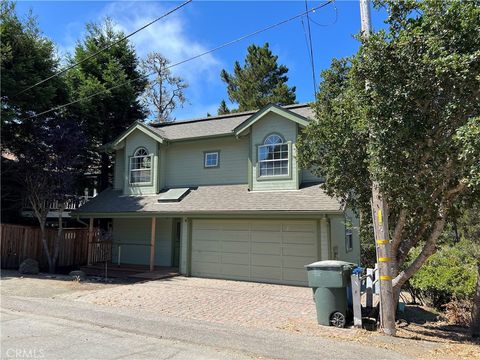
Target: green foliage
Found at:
223, 108
449, 273
26, 58
107, 115
259, 82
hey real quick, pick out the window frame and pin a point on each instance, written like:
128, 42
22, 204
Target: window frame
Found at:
210, 152
261, 177
348, 234
150, 169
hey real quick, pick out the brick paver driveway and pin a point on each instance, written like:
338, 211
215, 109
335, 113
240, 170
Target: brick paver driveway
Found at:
221, 301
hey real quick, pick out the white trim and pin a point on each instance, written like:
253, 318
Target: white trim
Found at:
131, 171
217, 153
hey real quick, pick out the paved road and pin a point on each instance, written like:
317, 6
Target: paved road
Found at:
59, 329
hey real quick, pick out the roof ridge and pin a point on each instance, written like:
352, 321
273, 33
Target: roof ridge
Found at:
219, 117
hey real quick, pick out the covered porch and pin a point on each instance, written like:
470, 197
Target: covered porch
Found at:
135, 247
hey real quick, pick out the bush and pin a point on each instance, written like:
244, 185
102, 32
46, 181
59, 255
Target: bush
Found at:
448, 274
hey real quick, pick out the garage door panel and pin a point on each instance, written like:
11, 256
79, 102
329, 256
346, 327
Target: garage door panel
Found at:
299, 250
299, 238
260, 225
235, 247
266, 249
207, 235
206, 256
298, 262
235, 270
266, 272
204, 268
234, 235
202, 245
266, 260
239, 259
268, 237
299, 226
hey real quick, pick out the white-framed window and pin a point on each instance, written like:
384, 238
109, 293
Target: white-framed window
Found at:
141, 167
211, 159
273, 157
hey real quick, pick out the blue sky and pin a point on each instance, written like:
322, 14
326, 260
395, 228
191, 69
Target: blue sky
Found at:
202, 25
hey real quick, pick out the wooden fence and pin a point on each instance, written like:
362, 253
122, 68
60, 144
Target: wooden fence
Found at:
20, 242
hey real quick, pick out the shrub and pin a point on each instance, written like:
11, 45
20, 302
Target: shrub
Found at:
449, 273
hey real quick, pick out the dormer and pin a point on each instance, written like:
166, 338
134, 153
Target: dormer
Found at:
272, 159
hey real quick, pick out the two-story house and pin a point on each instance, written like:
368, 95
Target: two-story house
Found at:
223, 197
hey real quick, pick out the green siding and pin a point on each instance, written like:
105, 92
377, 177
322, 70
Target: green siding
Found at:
337, 226
135, 140
118, 176
135, 234
273, 123
185, 162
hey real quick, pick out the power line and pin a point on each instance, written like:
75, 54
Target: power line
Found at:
332, 23
186, 60
312, 58
104, 48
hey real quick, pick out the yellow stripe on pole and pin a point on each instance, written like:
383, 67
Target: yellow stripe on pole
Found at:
380, 217
383, 242
385, 278
384, 259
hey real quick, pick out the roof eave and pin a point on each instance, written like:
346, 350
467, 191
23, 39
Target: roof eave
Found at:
299, 119
137, 125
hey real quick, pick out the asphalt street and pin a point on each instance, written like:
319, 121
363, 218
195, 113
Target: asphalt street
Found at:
46, 328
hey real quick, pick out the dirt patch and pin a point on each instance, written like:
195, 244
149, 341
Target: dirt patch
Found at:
43, 285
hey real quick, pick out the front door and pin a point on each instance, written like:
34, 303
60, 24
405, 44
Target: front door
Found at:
176, 243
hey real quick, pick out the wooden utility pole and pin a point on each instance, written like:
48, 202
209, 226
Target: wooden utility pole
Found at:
380, 221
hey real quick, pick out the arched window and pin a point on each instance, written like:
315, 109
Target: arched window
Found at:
273, 156
141, 167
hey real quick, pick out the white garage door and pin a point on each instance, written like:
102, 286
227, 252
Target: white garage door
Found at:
272, 251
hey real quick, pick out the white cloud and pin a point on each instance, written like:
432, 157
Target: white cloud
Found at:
173, 38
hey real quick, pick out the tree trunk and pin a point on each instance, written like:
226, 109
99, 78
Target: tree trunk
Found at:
476, 309
51, 267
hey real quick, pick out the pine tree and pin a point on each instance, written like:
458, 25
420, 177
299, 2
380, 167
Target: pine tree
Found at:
223, 108
259, 82
107, 115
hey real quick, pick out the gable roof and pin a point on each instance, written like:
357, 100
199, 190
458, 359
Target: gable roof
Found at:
213, 126
138, 125
285, 112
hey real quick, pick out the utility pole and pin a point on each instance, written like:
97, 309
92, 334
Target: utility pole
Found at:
380, 222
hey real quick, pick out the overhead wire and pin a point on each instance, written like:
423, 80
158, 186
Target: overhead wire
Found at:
185, 60
312, 57
103, 49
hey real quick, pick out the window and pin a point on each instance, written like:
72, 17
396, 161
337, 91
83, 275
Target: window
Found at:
211, 159
273, 157
141, 167
348, 234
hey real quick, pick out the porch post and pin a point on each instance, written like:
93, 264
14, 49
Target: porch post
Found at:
90, 239
152, 244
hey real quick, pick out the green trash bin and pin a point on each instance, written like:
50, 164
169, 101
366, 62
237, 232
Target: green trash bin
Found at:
329, 280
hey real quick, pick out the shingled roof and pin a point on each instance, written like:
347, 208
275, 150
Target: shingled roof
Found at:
220, 199
216, 125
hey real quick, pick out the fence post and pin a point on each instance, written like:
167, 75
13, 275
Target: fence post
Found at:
356, 299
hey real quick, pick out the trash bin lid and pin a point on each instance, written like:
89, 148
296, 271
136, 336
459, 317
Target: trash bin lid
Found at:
329, 264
